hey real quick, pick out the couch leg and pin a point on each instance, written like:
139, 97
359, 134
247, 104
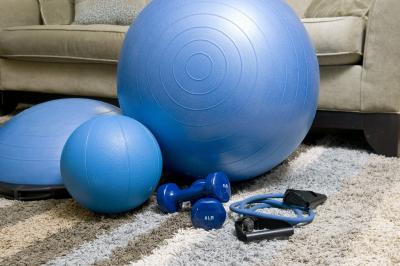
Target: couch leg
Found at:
382, 132
8, 103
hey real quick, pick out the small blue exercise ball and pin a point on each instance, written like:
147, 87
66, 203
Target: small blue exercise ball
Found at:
111, 164
31, 142
224, 85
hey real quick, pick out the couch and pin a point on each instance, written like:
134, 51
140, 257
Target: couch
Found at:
358, 56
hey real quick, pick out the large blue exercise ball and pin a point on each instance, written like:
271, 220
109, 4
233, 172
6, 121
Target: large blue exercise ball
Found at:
225, 85
31, 142
111, 164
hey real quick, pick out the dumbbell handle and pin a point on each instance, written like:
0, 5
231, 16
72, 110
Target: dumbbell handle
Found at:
215, 185
195, 191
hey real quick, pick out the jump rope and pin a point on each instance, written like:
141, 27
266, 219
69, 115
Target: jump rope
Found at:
256, 225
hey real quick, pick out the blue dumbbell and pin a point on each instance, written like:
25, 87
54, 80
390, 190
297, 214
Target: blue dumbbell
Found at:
208, 213
216, 185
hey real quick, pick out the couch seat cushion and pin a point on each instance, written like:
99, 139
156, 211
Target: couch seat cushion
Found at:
338, 8
63, 43
338, 41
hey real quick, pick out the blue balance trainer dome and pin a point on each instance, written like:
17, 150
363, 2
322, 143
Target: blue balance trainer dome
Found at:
224, 85
111, 164
31, 143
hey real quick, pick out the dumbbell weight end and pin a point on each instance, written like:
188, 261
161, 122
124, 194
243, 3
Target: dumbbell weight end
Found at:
208, 214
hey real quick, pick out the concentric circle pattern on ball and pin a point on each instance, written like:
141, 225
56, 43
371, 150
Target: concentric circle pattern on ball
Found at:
225, 85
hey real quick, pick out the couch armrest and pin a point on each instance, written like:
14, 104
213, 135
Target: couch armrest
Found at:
19, 13
381, 71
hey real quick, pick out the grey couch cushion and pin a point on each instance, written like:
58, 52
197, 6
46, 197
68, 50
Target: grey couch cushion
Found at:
57, 12
340, 88
21, 12
338, 41
338, 8
83, 79
113, 12
63, 43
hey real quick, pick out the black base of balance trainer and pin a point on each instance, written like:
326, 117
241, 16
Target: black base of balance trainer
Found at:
32, 192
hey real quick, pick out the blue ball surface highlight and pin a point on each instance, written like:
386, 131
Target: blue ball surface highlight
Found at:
31, 142
224, 85
111, 164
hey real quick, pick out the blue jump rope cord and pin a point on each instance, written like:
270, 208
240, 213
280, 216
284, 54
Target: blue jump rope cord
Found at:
303, 215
